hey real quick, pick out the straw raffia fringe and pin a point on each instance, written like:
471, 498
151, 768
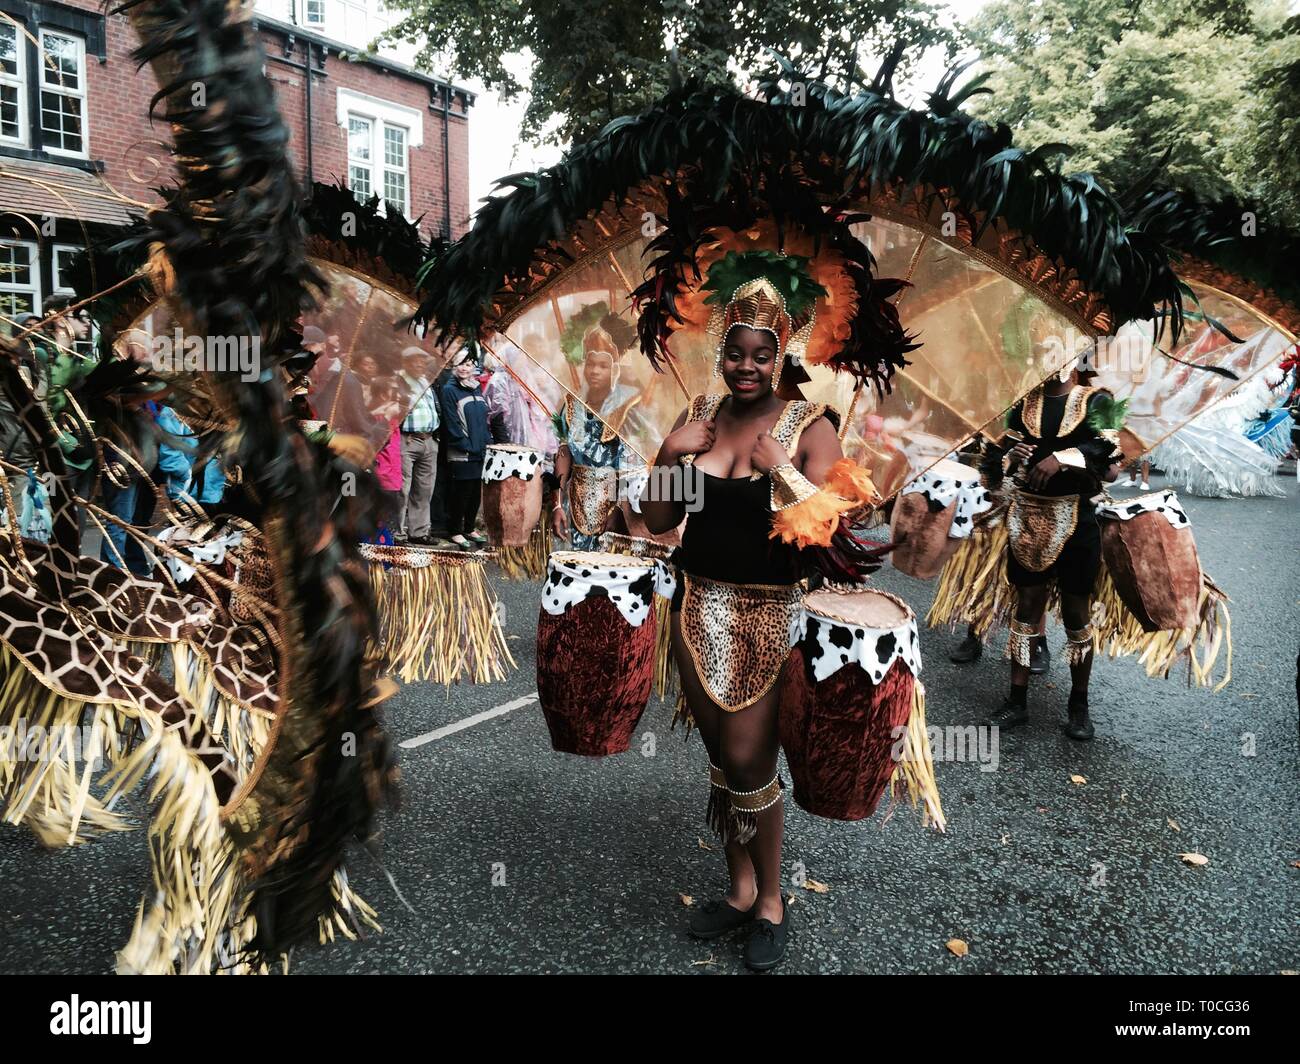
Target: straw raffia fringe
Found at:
1118, 633
195, 920
682, 714
973, 587
243, 732
914, 774
440, 622
49, 793
527, 563
667, 684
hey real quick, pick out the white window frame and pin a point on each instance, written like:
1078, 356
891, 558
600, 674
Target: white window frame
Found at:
307, 20
8, 287
380, 113
58, 88
381, 140
367, 164
18, 81
57, 288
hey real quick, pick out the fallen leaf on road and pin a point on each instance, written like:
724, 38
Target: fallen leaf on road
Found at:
1288, 971
686, 899
707, 961
704, 845
1005, 839
1173, 823
957, 947
1123, 796
1040, 809
791, 898
815, 887
1078, 780
1197, 859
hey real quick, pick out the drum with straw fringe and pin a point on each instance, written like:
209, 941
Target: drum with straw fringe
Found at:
852, 712
512, 493
666, 683
596, 637
1153, 599
1148, 547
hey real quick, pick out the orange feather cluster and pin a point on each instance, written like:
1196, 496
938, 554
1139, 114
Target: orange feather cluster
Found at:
835, 310
813, 522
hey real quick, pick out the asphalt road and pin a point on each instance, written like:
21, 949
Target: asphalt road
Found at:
517, 859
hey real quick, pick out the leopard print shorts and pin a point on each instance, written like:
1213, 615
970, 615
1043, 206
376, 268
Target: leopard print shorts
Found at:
738, 636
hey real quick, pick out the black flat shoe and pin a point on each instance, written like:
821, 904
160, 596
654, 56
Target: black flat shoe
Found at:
718, 918
1079, 726
1008, 715
1040, 658
768, 942
968, 650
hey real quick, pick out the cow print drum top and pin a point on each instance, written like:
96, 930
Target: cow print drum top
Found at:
204, 552
948, 480
506, 460
632, 485
831, 639
629, 583
1160, 502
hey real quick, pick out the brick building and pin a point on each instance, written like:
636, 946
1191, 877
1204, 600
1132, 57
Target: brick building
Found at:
78, 152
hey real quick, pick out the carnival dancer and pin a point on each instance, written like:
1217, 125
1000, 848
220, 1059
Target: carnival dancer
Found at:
756, 459
1060, 449
971, 648
589, 429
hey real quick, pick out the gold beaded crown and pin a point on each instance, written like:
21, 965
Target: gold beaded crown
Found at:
760, 302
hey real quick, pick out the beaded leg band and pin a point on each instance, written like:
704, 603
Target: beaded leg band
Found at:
718, 812
1020, 644
746, 805
1078, 645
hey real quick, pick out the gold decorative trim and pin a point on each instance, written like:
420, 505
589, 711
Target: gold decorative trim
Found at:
1032, 412
1076, 408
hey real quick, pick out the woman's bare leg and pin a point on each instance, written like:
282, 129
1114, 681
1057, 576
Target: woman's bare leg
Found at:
750, 742
708, 715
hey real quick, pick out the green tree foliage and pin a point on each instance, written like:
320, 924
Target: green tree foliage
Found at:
1217, 85
591, 62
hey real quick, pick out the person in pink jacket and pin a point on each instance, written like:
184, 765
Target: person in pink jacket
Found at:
385, 407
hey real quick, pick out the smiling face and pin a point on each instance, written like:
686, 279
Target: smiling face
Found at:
748, 359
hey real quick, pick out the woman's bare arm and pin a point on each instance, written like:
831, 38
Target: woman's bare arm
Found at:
819, 449
662, 514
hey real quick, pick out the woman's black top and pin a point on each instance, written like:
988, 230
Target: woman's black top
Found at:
727, 538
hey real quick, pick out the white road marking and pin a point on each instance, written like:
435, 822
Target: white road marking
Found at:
468, 722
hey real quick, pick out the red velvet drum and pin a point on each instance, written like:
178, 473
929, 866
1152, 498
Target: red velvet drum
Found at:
846, 699
1148, 547
512, 494
595, 649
